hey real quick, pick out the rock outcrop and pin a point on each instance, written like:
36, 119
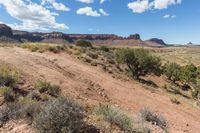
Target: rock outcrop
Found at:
134, 37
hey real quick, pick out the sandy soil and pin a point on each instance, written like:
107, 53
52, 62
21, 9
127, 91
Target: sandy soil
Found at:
92, 85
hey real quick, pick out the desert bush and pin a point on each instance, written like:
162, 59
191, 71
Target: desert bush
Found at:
8, 75
83, 43
4, 117
93, 63
174, 100
87, 59
46, 87
115, 117
196, 91
59, 116
104, 48
189, 74
8, 94
19, 110
139, 61
42, 86
149, 116
93, 55
56, 49
34, 48
34, 95
25, 108
172, 71
54, 90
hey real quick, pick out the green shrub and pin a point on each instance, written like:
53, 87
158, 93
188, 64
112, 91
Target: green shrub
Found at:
34, 48
42, 86
45, 87
93, 55
172, 71
34, 95
59, 116
25, 108
8, 94
7, 80
189, 74
115, 117
19, 110
83, 43
196, 91
175, 101
56, 49
93, 63
104, 48
8, 75
150, 116
139, 61
54, 90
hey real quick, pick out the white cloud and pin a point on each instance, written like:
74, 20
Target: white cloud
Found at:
88, 11
169, 16
103, 12
55, 5
31, 15
90, 1
86, 1
139, 6
102, 1
163, 4
166, 16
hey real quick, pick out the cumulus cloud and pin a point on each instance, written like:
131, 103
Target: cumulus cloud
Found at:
163, 4
102, 1
86, 1
32, 15
55, 5
90, 1
141, 6
169, 16
103, 12
88, 11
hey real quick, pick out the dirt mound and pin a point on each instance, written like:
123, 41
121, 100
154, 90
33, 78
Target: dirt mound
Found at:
91, 85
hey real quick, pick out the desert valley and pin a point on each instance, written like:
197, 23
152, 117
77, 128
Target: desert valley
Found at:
97, 83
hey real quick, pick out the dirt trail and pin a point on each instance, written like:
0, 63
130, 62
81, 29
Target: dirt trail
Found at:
91, 84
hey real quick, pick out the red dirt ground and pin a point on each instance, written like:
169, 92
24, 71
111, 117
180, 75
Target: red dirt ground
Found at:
92, 85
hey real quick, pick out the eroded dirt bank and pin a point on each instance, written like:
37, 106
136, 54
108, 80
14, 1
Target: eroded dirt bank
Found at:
92, 85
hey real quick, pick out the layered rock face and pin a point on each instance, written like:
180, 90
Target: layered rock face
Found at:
9, 35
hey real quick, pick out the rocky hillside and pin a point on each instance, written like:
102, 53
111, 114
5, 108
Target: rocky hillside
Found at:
9, 35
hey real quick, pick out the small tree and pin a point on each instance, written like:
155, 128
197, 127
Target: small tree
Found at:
139, 61
172, 71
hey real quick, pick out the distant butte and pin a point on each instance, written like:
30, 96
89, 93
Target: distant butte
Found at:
9, 35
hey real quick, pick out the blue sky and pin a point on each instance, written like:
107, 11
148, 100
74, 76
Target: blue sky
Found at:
174, 21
